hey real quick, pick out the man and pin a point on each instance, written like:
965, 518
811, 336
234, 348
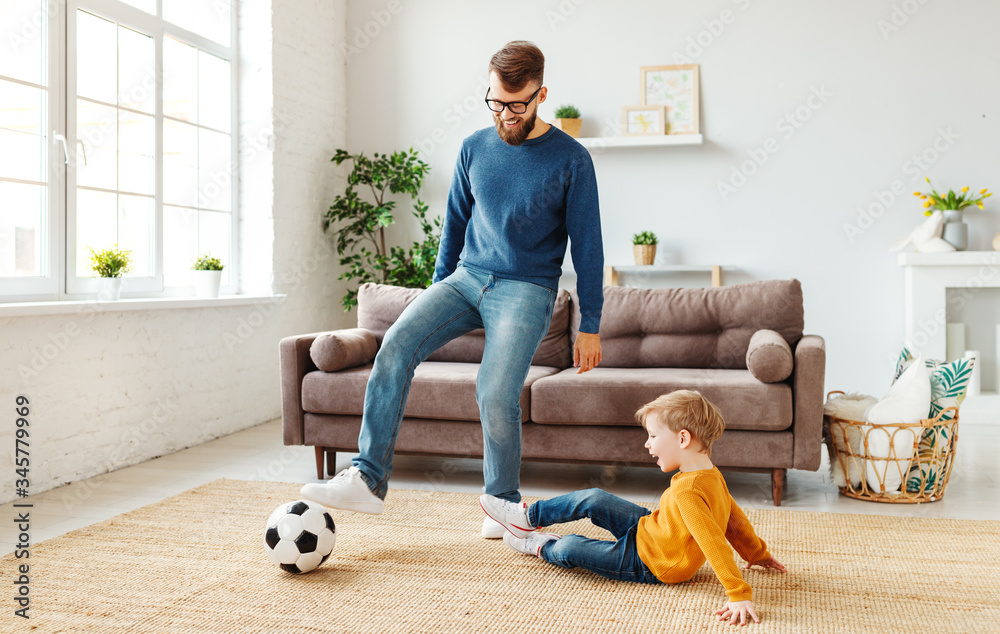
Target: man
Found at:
517, 195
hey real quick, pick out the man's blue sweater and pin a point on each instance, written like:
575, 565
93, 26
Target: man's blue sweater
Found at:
512, 208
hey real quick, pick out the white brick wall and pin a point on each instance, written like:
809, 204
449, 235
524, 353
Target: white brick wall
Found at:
130, 386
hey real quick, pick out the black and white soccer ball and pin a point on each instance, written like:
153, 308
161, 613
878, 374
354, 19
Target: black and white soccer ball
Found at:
299, 536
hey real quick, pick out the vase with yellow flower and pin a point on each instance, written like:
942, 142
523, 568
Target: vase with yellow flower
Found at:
956, 230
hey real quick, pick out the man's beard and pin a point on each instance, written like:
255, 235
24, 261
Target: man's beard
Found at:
518, 134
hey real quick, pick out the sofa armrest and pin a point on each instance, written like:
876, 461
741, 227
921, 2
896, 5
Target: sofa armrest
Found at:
294, 363
807, 393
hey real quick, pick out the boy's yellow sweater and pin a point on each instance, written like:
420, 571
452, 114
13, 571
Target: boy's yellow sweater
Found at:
696, 518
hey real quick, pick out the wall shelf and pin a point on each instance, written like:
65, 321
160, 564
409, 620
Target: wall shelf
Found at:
611, 273
599, 143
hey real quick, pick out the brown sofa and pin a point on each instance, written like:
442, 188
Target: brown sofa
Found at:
742, 346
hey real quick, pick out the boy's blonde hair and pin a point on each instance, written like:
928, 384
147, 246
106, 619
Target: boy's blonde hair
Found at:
686, 409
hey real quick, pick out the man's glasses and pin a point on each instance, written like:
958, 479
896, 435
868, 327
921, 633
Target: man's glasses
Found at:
516, 107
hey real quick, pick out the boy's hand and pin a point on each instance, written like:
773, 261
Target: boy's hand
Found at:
737, 611
766, 563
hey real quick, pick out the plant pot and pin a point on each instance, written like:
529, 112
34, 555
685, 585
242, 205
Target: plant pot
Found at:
955, 231
569, 126
644, 253
206, 283
109, 289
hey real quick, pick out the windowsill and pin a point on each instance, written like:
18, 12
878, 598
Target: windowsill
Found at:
22, 309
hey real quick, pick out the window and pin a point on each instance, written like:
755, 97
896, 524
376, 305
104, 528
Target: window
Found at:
116, 127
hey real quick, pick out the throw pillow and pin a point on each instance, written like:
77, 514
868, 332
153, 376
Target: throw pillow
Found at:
769, 357
907, 401
341, 349
949, 382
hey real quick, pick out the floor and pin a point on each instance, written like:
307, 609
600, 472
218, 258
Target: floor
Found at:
257, 454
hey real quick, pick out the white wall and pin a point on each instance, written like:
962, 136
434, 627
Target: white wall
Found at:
880, 94
128, 386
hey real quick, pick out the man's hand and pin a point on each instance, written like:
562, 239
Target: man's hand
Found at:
737, 611
766, 563
586, 352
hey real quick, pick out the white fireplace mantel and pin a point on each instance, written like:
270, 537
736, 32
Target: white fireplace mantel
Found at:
928, 276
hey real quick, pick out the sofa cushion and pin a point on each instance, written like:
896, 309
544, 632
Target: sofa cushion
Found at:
348, 348
769, 357
611, 396
693, 327
379, 305
439, 390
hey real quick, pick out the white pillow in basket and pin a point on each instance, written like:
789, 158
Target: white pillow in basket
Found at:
907, 401
847, 407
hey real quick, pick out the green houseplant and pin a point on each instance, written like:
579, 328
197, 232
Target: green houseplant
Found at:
207, 275
110, 265
568, 120
644, 247
361, 224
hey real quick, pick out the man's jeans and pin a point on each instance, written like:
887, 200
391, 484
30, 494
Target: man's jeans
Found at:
612, 559
516, 317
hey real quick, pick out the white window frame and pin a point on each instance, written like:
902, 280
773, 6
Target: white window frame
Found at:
51, 259
60, 281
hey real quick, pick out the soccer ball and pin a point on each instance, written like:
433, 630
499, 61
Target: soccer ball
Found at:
299, 536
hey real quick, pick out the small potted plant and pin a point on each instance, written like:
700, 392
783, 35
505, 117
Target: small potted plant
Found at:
644, 247
207, 273
110, 265
955, 231
568, 120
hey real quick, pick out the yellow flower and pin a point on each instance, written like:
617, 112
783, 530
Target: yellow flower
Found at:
928, 203
980, 205
982, 191
918, 194
965, 189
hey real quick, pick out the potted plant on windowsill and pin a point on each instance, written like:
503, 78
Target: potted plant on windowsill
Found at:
110, 265
568, 120
644, 247
207, 274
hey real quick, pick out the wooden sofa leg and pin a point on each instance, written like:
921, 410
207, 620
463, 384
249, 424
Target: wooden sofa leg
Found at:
331, 463
320, 455
777, 484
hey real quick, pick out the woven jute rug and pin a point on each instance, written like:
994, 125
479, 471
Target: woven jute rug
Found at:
195, 562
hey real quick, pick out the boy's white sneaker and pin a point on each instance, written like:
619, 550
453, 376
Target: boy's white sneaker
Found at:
347, 491
492, 529
513, 516
530, 545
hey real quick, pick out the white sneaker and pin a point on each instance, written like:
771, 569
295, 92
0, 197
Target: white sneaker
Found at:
346, 491
511, 515
492, 529
530, 545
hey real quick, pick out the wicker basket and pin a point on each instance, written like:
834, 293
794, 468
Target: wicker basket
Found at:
904, 479
644, 254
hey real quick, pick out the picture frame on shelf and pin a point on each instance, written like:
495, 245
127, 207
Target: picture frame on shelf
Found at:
644, 120
676, 88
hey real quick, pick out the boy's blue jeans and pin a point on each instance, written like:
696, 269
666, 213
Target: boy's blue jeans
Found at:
516, 317
612, 559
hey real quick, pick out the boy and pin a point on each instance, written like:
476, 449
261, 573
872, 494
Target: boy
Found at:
696, 517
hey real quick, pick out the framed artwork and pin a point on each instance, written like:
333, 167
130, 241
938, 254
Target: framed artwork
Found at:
644, 120
675, 88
